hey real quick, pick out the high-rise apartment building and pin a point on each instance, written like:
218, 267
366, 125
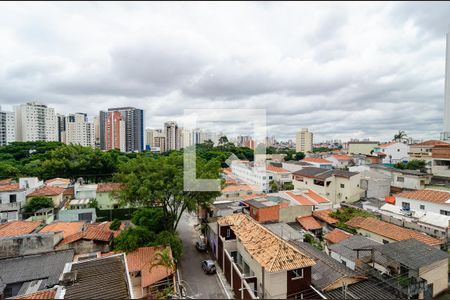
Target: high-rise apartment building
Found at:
7, 127
149, 141
61, 128
159, 140
304, 141
97, 131
186, 138
36, 122
79, 131
173, 136
446, 133
122, 128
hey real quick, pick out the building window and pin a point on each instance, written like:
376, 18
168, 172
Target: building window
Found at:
445, 212
405, 206
12, 198
228, 233
400, 179
385, 241
422, 207
342, 185
296, 274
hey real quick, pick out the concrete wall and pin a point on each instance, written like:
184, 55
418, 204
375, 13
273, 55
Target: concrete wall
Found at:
70, 215
374, 236
350, 264
290, 213
428, 206
4, 196
378, 188
361, 148
436, 273
87, 246
106, 200
29, 244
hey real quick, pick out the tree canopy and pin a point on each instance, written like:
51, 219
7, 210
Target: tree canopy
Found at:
415, 164
36, 203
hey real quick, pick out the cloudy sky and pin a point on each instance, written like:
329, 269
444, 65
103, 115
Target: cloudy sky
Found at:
347, 70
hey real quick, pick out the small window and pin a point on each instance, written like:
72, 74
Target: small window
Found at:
398, 150
228, 232
342, 185
422, 207
12, 198
297, 274
400, 179
385, 241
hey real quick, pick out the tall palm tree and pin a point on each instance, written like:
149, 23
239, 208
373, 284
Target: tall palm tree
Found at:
400, 136
164, 259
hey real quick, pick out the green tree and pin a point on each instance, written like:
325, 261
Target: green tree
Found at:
115, 224
223, 140
93, 203
132, 238
274, 186
159, 182
299, 156
9, 169
36, 203
288, 186
167, 238
400, 136
152, 219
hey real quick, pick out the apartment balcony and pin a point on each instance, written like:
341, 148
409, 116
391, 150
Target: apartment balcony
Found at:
11, 206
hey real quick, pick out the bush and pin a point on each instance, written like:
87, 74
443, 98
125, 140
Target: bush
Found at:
152, 219
167, 238
133, 238
36, 203
115, 224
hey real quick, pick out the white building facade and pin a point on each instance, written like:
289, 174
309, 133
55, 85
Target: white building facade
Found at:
304, 141
7, 127
394, 152
79, 131
36, 122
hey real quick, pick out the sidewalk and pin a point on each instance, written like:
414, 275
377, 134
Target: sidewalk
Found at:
224, 283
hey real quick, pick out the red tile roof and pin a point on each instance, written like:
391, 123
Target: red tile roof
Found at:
431, 143
42, 294
9, 187
241, 187
15, 228
301, 199
47, 191
309, 223
227, 171
427, 195
316, 160
391, 231
141, 260
342, 157
68, 228
336, 236
6, 181
69, 191
108, 187
63, 180
324, 216
385, 145
105, 226
274, 169
93, 234
316, 197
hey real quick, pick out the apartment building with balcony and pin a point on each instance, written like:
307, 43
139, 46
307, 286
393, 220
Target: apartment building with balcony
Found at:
259, 264
441, 161
36, 122
423, 151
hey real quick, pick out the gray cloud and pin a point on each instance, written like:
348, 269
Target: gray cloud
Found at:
343, 70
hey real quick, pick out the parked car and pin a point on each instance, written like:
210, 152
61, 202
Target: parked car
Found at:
201, 246
208, 267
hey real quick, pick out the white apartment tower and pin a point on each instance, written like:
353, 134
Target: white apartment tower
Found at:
79, 131
7, 127
36, 122
304, 141
186, 138
149, 137
446, 133
173, 136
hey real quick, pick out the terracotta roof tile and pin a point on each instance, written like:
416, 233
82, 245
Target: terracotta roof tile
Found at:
6, 181
342, 157
69, 191
14, 228
309, 223
301, 199
427, 195
42, 294
93, 234
68, 228
274, 169
105, 227
47, 191
227, 171
63, 180
391, 231
336, 236
240, 187
431, 143
9, 187
108, 187
316, 197
271, 252
316, 160
324, 216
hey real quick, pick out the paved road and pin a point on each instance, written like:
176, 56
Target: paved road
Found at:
199, 285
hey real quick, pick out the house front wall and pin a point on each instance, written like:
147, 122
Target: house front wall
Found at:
409, 181
290, 213
106, 200
441, 167
427, 206
349, 263
436, 273
351, 191
376, 237
361, 148
5, 196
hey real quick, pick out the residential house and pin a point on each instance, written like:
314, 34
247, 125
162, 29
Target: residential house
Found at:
424, 269
146, 278
318, 162
58, 182
344, 251
295, 165
13, 196
310, 224
105, 195
42, 294
257, 263
384, 232
105, 226
323, 216
375, 184
52, 192
84, 214
85, 191
256, 176
67, 228
306, 198
423, 151
336, 185
336, 281
31, 273
264, 210
15, 228
429, 201
392, 152
336, 236
237, 191
98, 278
340, 161
278, 174
441, 161
361, 147
400, 179
90, 240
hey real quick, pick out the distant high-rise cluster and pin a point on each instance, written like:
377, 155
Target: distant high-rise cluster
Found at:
304, 141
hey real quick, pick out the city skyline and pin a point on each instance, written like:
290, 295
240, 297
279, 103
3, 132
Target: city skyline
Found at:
355, 71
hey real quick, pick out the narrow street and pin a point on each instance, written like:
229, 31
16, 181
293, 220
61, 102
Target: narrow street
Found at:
197, 284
